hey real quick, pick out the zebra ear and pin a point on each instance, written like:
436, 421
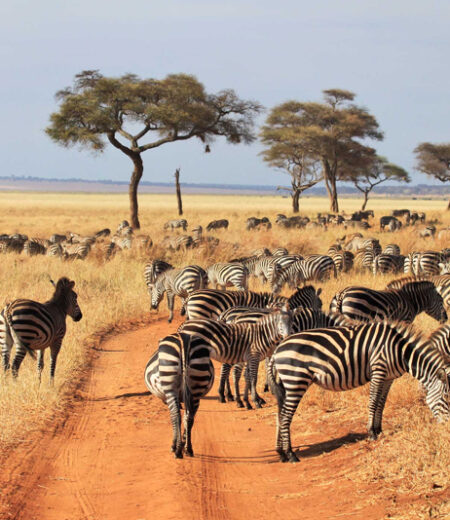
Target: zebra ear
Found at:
51, 281
319, 291
441, 375
71, 284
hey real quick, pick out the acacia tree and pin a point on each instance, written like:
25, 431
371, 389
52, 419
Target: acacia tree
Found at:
434, 161
380, 170
330, 132
136, 115
290, 155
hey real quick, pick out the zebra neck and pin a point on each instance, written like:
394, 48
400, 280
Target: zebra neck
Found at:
58, 307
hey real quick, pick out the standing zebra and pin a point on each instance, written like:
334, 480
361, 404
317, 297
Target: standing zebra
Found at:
441, 282
385, 264
344, 358
404, 304
302, 319
243, 342
31, 326
210, 303
180, 370
223, 275
176, 282
153, 269
423, 263
440, 339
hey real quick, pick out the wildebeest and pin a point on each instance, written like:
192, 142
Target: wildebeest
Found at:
218, 224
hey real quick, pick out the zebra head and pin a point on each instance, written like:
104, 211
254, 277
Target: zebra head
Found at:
444, 267
438, 392
157, 292
67, 299
436, 307
306, 297
282, 321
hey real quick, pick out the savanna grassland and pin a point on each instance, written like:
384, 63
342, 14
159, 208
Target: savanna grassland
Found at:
412, 456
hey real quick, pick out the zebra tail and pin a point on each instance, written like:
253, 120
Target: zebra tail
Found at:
276, 387
187, 394
336, 303
17, 341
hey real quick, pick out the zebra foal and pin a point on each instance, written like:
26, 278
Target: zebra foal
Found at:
344, 358
180, 371
30, 326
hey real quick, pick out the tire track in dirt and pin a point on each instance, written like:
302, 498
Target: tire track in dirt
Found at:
111, 457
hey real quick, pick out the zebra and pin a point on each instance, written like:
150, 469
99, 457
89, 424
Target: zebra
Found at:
302, 319
210, 303
56, 238
388, 264
103, 233
35, 246
444, 267
440, 339
442, 284
55, 250
313, 267
343, 260
243, 342
77, 251
423, 263
280, 251
217, 224
391, 222
222, 275
364, 258
179, 242
175, 224
153, 269
31, 326
364, 304
347, 357
180, 371
428, 231
176, 282
391, 249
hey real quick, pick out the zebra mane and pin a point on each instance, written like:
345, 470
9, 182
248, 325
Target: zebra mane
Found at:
401, 282
408, 332
63, 285
419, 284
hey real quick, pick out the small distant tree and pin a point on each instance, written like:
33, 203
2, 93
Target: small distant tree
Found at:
378, 171
127, 110
289, 154
329, 132
434, 161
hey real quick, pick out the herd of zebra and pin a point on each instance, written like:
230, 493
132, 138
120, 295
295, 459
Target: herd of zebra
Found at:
364, 338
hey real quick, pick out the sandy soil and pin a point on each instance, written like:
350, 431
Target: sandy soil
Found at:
108, 458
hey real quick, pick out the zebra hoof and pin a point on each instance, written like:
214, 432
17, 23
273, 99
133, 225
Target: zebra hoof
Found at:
222, 399
283, 457
373, 435
230, 398
249, 406
179, 454
190, 452
261, 401
292, 457
240, 404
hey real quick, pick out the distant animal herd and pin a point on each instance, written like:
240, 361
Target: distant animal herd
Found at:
365, 337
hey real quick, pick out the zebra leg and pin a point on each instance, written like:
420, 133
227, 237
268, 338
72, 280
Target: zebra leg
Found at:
380, 408
54, 351
40, 365
285, 415
253, 376
188, 424
266, 366
377, 390
228, 393
6, 351
175, 418
170, 302
224, 373
247, 387
18, 358
237, 371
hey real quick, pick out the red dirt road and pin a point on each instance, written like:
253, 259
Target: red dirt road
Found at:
110, 458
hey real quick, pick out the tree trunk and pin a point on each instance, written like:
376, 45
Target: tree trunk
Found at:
448, 206
366, 198
132, 190
177, 185
330, 184
295, 201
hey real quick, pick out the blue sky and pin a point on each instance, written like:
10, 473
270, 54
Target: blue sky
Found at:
393, 55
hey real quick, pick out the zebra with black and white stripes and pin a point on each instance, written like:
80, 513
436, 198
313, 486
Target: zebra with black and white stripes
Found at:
153, 269
424, 263
30, 326
441, 282
180, 371
385, 264
210, 303
243, 342
440, 339
223, 275
176, 282
302, 319
404, 304
344, 358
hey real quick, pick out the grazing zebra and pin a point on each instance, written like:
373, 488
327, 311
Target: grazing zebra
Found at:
223, 275
385, 264
364, 258
391, 222
217, 224
75, 251
175, 224
391, 249
243, 342
442, 284
31, 326
280, 251
344, 358
56, 239
343, 260
423, 263
35, 246
153, 269
103, 233
364, 304
302, 319
55, 250
179, 242
180, 371
428, 231
176, 282
210, 303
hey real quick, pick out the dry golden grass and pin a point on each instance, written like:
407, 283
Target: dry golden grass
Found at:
414, 453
